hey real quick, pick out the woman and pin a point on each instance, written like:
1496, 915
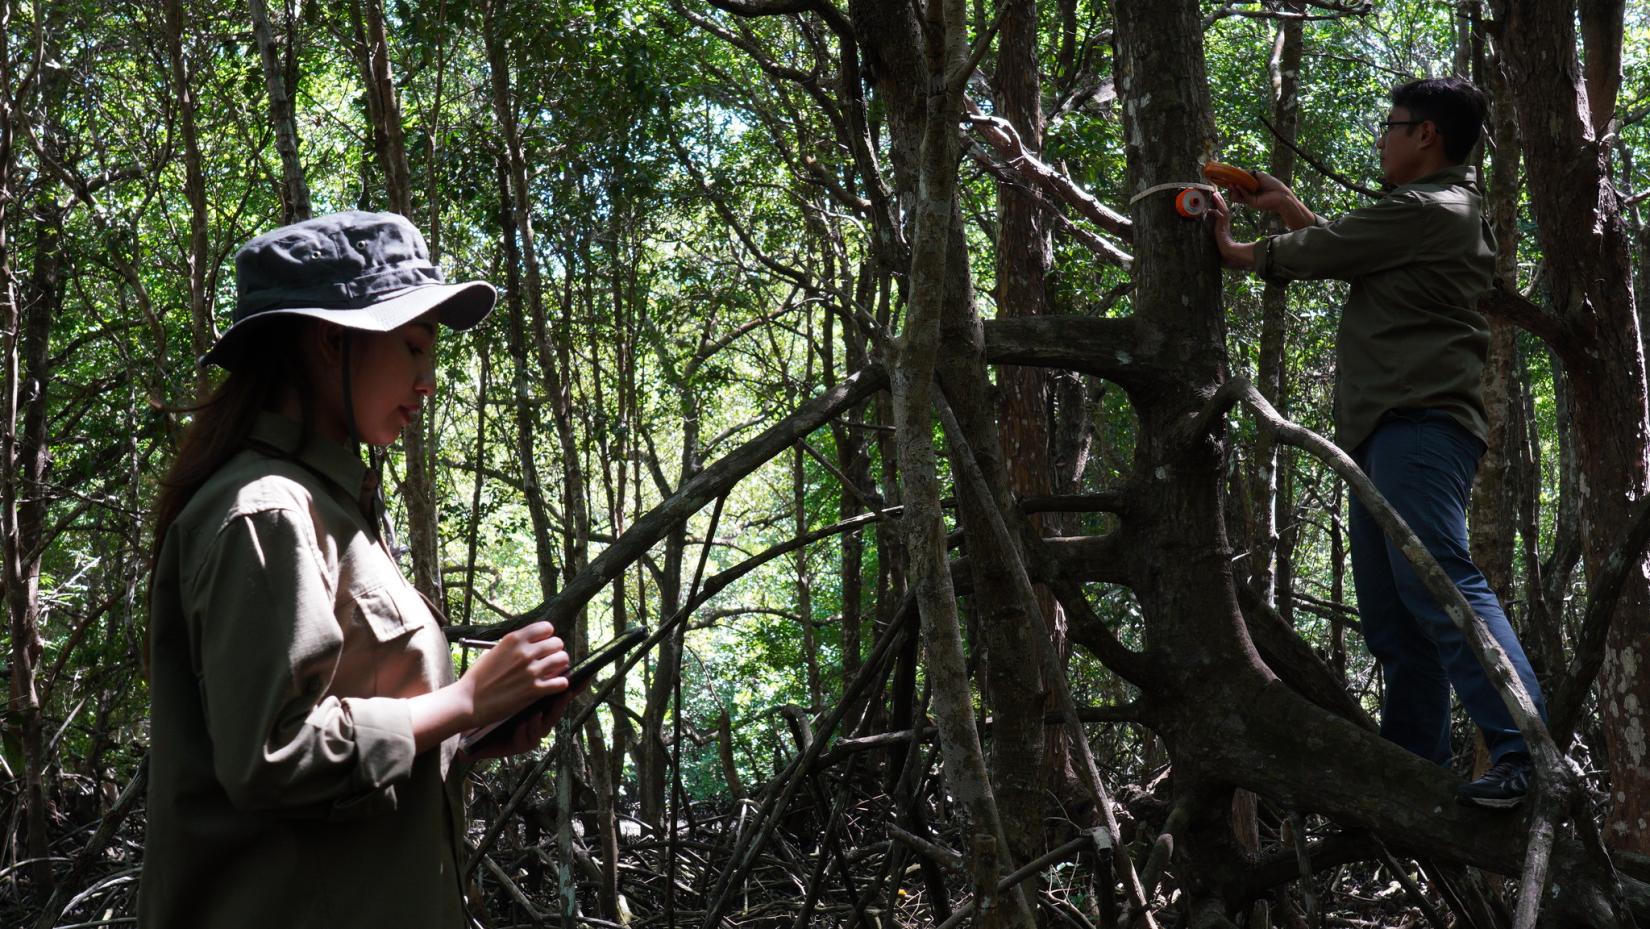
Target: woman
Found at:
304, 711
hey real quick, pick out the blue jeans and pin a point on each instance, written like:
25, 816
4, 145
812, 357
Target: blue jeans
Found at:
1423, 462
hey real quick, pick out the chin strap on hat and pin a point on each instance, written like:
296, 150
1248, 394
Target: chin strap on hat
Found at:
372, 502
349, 401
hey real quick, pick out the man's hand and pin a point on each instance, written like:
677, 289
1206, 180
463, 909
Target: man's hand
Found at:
1271, 196
1233, 254
1274, 196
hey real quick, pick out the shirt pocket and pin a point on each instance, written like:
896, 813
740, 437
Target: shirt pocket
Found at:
392, 611
402, 652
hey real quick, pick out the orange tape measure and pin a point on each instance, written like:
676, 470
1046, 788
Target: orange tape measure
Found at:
1230, 177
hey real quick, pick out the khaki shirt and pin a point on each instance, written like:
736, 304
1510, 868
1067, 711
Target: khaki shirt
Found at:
1418, 261
284, 791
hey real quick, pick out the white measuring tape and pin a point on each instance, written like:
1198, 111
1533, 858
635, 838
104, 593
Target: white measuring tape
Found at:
1192, 201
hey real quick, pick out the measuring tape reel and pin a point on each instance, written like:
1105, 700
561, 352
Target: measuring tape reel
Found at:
1192, 203
1191, 200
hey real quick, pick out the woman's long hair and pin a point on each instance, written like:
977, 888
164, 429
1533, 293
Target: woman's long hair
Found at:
222, 422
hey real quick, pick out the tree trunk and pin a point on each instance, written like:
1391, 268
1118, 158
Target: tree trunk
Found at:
926, 141
201, 331
383, 107
532, 488
23, 500
528, 260
1284, 69
852, 460
614, 445
472, 532
1266, 500
294, 191
1585, 243
654, 763
1024, 772
418, 440
804, 581
1193, 624
1494, 494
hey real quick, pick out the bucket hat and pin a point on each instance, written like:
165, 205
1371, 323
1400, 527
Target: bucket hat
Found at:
368, 271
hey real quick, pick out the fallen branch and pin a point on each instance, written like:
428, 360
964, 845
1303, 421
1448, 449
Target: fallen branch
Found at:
744, 854
1031, 868
933, 851
1413, 889
134, 789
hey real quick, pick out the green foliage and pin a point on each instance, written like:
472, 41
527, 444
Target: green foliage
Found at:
691, 251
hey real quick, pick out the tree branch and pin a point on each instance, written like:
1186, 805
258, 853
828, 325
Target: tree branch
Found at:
1319, 166
1102, 249
1283, 650
827, 11
1512, 306
1108, 502
958, 79
1001, 135
703, 487
1119, 350
1335, 11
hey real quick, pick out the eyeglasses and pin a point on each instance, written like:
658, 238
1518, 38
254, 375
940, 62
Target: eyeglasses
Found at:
1386, 127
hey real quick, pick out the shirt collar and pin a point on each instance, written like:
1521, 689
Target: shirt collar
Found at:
332, 461
1452, 176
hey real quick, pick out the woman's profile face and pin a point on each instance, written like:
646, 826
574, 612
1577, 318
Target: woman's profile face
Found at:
391, 375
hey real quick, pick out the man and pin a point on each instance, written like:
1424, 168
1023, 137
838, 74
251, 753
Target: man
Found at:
1408, 404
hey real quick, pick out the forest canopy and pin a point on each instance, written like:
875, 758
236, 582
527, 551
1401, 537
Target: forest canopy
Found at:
994, 567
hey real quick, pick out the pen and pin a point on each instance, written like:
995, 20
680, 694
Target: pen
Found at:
477, 643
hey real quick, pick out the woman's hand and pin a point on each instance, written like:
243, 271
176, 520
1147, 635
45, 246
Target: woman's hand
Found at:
526, 665
528, 732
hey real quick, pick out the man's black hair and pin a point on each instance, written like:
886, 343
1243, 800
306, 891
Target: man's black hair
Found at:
1452, 104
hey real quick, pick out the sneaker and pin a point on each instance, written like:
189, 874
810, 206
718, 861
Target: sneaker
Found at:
1502, 787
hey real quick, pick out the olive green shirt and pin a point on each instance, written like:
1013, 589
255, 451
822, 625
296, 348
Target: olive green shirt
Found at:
284, 790
1418, 261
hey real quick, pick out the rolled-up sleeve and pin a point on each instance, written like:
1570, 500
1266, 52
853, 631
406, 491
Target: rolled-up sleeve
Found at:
269, 644
1375, 238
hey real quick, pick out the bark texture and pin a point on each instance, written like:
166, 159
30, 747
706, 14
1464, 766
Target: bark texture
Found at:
1581, 232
